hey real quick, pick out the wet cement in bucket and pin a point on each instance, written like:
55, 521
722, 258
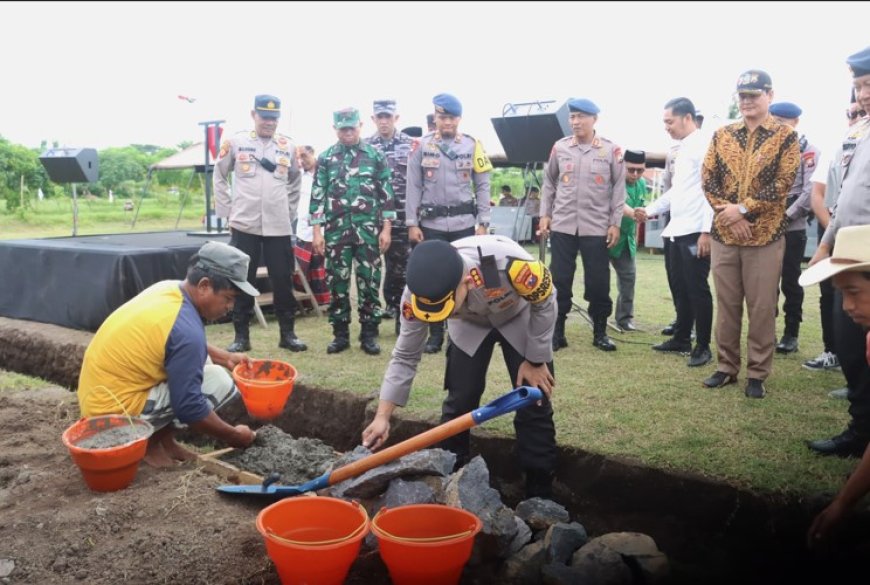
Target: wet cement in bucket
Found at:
113, 437
295, 460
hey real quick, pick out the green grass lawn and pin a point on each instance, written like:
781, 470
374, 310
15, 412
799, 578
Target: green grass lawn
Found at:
633, 403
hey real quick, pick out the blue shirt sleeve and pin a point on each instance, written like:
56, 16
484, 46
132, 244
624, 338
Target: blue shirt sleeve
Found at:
186, 352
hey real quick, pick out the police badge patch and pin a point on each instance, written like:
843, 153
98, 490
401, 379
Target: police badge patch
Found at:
407, 311
531, 279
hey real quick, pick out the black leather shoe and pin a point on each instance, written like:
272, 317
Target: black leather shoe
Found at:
370, 346
787, 344
700, 356
846, 444
433, 345
670, 329
754, 388
292, 343
674, 345
719, 379
389, 312
240, 344
603, 343
559, 343
628, 326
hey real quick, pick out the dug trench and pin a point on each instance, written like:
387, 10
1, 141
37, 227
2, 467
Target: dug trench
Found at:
712, 532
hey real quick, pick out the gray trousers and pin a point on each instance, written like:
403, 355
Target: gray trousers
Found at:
625, 277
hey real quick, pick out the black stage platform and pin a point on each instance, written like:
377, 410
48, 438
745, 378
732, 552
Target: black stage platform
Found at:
78, 281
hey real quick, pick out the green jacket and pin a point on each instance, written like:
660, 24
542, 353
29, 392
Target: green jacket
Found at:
635, 196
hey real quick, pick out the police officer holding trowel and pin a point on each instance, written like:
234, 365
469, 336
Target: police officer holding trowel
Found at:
489, 290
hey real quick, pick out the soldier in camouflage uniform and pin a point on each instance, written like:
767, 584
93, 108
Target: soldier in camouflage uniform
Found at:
351, 197
396, 146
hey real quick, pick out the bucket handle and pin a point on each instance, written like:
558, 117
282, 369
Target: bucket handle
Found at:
423, 539
339, 540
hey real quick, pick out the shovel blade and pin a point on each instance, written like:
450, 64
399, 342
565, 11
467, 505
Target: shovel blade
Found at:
276, 491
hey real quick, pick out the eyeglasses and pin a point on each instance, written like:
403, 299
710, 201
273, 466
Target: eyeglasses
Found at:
635, 170
852, 114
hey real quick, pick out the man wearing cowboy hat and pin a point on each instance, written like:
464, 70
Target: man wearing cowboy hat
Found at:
849, 267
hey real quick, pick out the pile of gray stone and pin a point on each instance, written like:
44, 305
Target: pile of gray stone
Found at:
536, 543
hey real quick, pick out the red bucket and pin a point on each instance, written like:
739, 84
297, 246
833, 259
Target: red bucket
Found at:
265, 386
111, 468
313, 540
425, 544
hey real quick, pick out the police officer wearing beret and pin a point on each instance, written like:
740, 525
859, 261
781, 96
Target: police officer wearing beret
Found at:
396, 147
260, 208
798, 208
490, 290
852, 208
582, 206
448, 187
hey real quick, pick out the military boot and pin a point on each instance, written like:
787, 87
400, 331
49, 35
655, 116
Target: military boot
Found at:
559, 340
242, 342
599, 334
341, 332
436, 338
368, 337
288, 335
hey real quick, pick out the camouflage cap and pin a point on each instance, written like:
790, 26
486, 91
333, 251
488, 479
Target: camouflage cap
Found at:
345, 118
385, 107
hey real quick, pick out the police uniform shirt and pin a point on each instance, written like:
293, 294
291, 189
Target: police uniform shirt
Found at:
262, 202
853, 204
528, 326
435, 179
798, 199
584, 187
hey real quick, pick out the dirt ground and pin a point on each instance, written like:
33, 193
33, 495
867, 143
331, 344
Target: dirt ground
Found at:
169, 526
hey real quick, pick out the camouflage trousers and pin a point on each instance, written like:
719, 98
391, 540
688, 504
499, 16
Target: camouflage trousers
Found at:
339, 262
395, 267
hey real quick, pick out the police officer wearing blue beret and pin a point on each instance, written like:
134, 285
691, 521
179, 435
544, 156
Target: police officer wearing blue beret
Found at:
582, 205
448, 187
853, 208
798, 209
265, 196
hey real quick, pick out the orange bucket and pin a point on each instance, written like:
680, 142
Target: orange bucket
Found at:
111, 468
425, 544
313, 540
265, 386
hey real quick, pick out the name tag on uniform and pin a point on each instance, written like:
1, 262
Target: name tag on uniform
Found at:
243, 157
464, 164
599, 165
568, 166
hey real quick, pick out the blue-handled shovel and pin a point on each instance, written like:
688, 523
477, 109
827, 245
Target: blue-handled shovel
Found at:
513, 400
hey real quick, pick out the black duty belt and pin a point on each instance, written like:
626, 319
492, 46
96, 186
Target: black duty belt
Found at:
430, 211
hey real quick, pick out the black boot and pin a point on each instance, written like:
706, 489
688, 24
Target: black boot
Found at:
599, 334
368, 337
242, 342
559, 340
288, 336
436, 338
789, 341
341, 331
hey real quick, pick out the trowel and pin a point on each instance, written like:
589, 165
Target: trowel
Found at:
513, 400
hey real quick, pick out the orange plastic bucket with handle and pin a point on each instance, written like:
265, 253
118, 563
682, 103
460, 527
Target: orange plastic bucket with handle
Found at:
265, 386
113, 467
313, 540
425, 544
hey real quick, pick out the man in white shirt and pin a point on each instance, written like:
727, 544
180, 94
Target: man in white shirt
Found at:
689, 233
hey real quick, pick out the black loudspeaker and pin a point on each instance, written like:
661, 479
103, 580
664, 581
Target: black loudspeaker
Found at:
71, 165
528, 131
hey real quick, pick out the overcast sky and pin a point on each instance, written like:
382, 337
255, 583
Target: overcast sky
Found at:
109, 74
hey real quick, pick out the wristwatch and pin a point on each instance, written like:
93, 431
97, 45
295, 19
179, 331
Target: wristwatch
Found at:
484, 224
742, 209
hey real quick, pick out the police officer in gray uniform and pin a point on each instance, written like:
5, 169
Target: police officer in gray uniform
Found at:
582, 205
448, 187
265, 196
490, 290
798, 208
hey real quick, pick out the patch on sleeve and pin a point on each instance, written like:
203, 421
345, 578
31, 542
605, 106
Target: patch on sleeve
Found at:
617, 154
407, 311
809, 159
225, 149
531, 279
481, 161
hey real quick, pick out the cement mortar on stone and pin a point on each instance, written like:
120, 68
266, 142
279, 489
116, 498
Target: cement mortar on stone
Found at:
295, 460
